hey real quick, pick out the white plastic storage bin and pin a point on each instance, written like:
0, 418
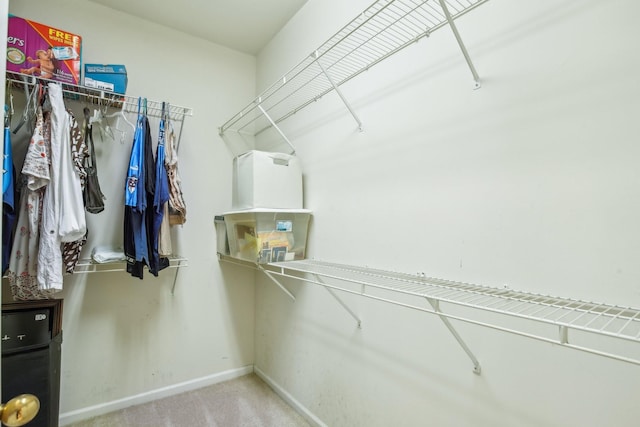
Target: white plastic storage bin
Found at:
266, 180
267, 235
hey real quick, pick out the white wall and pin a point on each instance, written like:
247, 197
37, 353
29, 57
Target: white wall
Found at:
124, 337
531, 181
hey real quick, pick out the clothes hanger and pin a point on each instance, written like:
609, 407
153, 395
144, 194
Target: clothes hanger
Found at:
121, 115
31, 105
103, 124
9, 94
43, 97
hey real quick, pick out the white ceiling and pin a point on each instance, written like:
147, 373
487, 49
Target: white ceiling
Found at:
244, 25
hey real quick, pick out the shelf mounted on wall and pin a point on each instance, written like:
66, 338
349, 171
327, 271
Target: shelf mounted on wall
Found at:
601, 329
125, 103
87, 265
318, 277
383, 29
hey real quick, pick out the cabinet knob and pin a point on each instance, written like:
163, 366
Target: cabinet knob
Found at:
19, 410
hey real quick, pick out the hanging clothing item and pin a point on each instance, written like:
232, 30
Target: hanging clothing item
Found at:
79, 148
71, 253
92, 194
8, 221
38, 158
135, 174
165, 247
177, 206
8, 196
155, 264
136, 239
134, 206
161, 195
63, 217
23, 263
79, 153
7, 162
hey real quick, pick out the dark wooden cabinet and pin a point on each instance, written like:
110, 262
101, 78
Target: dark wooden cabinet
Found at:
31, 355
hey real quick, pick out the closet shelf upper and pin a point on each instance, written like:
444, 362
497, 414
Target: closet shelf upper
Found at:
602, 329
383, 29
96, 96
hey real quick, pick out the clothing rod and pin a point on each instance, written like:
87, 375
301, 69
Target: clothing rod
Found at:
96, 95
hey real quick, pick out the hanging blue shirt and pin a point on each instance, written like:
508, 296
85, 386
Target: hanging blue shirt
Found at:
136, 241
135, 174
7, 162
162, 181
8, 200
161, 196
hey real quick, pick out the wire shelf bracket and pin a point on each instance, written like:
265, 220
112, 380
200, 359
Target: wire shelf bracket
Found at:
270, 275
456, 33
277, 282
276, 127
339, 300
316, 57
436, 308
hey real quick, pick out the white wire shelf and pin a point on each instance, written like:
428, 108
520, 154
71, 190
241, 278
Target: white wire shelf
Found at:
384, 28
101, 97
612, 331
87, 265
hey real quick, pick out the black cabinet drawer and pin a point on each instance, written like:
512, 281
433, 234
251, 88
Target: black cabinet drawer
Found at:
26, 329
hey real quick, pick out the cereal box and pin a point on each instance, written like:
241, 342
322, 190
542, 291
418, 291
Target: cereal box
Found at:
43, 51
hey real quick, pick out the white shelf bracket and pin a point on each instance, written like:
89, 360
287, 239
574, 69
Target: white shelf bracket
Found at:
274, 280
337, 298
564, 334
436, 308
276, 127
447, 14
316, 57
175, 278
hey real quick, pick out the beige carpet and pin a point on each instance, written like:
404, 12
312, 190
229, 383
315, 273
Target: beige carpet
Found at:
243, 402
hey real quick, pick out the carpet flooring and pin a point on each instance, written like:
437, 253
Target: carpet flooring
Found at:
242, 402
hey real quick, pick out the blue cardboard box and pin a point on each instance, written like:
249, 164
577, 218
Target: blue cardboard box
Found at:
109, 77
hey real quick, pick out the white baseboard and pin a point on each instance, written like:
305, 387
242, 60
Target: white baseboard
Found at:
301, 409
115, 405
